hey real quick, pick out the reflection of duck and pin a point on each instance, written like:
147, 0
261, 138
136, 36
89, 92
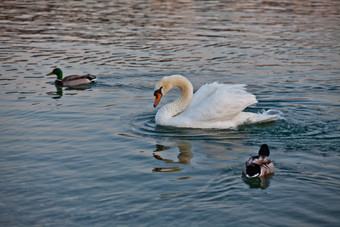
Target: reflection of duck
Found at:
257, 182
60, 90
72, 80
212, 106
260, 165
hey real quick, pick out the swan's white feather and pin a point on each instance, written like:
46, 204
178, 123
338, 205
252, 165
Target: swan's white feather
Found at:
218, 102
213, 105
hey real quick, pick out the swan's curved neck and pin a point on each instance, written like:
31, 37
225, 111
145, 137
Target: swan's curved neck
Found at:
182, 102
186, 95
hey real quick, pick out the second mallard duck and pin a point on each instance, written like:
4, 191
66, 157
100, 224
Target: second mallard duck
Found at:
72, 80
259, 165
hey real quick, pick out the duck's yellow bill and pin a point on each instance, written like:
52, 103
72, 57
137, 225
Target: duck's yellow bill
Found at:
51, 73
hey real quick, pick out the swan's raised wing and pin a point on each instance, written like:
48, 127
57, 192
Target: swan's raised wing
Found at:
218, 102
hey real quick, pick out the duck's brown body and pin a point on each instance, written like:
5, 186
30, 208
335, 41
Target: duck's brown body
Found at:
75, 80
259, 165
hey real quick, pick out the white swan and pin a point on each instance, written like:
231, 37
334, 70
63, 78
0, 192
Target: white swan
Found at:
214, 105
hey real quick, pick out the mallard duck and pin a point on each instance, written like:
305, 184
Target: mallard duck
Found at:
259, 165
72, 80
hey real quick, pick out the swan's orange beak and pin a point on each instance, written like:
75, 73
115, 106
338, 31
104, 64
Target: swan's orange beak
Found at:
158, 97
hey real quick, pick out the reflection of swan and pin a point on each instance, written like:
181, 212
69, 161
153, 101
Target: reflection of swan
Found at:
184, 157
212, 106
260, 165
72, 80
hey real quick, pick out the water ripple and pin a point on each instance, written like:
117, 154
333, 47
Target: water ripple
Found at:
144, 125
70, 157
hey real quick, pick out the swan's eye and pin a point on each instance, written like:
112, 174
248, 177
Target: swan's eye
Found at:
159, 91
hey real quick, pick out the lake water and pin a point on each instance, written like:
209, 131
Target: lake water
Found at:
93, 155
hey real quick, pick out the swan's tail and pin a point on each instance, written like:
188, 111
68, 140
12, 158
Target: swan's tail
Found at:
265, 116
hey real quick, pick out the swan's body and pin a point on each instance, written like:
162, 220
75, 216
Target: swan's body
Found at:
214, 105
72, 80
259, 165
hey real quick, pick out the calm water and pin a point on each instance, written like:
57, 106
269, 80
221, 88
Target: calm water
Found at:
93, 156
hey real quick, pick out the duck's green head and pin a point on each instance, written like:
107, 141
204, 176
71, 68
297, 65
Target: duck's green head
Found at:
264, 150
57, 72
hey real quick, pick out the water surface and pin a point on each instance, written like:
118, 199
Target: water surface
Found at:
94, 156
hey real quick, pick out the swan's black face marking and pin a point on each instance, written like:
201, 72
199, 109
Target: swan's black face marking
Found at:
158, 95
158, 91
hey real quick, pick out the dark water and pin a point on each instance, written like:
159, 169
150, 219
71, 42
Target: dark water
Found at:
93, 155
